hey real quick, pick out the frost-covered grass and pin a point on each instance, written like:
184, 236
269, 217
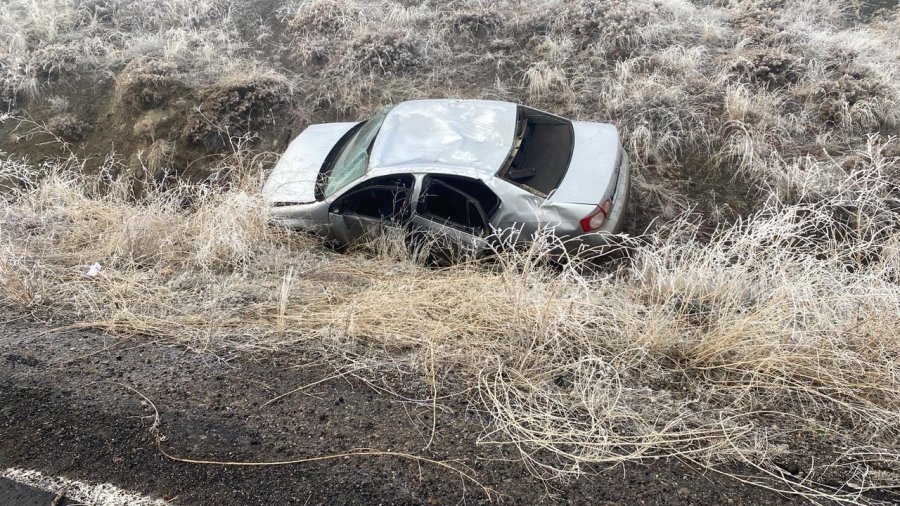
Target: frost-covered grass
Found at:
721, 338
736, 88
711, 348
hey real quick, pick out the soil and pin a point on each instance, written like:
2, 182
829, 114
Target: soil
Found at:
66, 409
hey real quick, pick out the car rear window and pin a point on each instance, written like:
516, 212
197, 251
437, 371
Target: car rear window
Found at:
541, 152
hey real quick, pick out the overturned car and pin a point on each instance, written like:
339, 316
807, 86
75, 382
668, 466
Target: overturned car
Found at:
468, 171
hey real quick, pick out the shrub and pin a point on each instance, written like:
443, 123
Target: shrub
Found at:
617, 24
67, 127
767, 67
758, 20
323, 17
855, 99
233, 107
146, 83
478, 22
8, 98
384, 52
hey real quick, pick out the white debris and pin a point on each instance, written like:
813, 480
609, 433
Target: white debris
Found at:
102, 494
94, 270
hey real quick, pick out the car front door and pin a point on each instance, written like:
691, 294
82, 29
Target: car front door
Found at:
363, 213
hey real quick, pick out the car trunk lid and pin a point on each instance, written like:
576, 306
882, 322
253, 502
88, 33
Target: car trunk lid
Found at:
591, 175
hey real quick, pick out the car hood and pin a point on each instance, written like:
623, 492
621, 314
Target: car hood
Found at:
294, 177
593, 166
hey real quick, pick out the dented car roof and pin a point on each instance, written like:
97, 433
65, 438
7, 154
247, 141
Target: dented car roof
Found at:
470, 135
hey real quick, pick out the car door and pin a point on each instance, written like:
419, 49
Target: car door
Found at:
450, 221
363, 213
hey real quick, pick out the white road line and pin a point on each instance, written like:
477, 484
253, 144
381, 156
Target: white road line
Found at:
101, 494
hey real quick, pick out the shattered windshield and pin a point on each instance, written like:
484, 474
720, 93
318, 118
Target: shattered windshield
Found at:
351, 164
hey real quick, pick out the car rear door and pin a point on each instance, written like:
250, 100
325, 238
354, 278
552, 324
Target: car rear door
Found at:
449, 221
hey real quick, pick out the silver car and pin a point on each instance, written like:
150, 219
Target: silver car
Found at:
469, 171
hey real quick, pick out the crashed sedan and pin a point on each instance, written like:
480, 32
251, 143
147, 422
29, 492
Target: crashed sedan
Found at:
468, 171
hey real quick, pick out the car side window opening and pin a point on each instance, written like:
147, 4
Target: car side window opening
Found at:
384, 198
352, 161
541, 152
459, 202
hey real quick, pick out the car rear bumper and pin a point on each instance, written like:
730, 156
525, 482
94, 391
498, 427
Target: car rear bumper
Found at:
616, 218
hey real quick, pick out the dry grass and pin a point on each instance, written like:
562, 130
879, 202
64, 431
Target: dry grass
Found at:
744, 83
709, 348
723, 338
45, 41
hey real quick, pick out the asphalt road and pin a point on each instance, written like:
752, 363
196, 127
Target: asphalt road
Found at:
12, 493
69, 410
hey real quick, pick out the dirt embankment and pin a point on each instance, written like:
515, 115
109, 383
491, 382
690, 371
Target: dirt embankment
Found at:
147, 124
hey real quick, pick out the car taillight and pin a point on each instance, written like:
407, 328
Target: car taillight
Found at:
595, 220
